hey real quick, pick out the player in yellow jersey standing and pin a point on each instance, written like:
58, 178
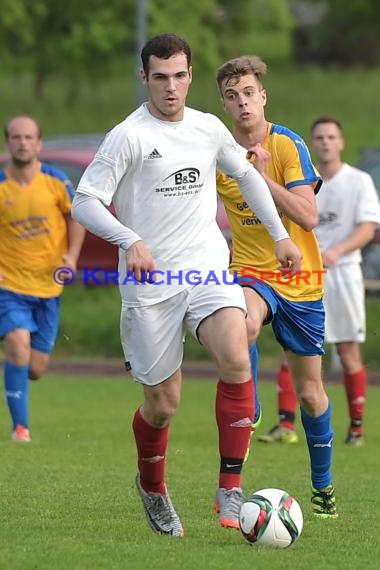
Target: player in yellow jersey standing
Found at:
38, 236
292, 304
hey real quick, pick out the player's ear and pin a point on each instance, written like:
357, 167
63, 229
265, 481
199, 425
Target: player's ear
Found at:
190, 74
264, 96
143, 77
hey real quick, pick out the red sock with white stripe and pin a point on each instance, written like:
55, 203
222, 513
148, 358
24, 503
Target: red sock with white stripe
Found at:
356, 389
151, 446
287, 397
234, 409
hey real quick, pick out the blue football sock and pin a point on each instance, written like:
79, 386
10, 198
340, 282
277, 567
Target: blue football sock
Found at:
17, 393
254, 355
319, 436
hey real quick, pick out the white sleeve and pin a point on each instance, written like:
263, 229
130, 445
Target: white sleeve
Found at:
232, 160
368, 209
259, 199
94, 216
110, 163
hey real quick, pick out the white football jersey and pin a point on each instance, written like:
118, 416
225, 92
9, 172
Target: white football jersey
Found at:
346, 200
160, 177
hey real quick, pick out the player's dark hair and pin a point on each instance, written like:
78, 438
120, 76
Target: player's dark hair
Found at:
164, 46
324, 120
236, 68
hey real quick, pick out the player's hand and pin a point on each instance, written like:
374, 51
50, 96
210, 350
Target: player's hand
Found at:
140, 261
70, 262
288, 255
330, 257
260, 157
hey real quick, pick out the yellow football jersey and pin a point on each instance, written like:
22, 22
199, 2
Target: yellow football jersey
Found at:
33, 231
253, 247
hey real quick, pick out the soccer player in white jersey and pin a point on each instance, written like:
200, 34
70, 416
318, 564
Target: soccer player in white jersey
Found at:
158, 167
348, 212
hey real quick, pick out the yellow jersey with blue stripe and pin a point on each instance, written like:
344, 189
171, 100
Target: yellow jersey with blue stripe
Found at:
290, 165
33, 231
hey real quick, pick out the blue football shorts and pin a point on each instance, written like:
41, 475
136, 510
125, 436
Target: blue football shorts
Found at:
37, 315
299, 326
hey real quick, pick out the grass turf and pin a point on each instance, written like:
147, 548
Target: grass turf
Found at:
69, 502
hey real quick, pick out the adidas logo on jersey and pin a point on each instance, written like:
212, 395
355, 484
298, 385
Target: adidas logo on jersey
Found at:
154, 154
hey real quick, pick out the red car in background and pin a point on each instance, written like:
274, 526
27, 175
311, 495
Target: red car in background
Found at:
73, 154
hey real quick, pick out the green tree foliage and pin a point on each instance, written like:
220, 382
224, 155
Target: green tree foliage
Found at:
351, 30
63, 37
222, 29
195, 21
84, 39
261, 27
346, 32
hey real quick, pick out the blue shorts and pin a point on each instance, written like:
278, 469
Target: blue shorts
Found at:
37, 315
299, 326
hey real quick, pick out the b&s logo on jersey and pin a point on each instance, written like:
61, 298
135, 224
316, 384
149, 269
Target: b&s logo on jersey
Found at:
327, 218
183, 182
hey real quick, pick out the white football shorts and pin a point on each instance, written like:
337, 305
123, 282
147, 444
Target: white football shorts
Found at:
344, 302
152, 336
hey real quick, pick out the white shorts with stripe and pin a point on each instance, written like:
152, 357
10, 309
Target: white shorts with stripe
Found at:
152, 336
344, 302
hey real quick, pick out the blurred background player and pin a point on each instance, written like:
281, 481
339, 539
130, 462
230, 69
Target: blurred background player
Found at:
294, 305
37, 237
349, 213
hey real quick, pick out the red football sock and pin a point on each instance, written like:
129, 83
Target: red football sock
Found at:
287, 397
356, 390
234, 408
151, 446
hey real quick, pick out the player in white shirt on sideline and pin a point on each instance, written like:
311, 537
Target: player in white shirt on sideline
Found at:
348, 212
158, 168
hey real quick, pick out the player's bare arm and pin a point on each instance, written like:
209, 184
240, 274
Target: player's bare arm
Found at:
140, 261
358, 239
298, 204
76, 235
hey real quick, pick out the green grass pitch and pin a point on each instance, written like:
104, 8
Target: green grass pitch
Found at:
68, 500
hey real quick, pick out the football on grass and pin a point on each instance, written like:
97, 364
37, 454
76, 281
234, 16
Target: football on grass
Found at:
271, 517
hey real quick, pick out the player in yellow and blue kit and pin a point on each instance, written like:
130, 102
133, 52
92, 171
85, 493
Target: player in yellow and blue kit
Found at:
293, 304
37, 237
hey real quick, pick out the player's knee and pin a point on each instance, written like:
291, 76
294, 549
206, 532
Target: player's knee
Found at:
161, 417
37, 368
160, 411
38, 365
235, 366
17, 347
253, 328
313, 399
18, 355
35, 374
